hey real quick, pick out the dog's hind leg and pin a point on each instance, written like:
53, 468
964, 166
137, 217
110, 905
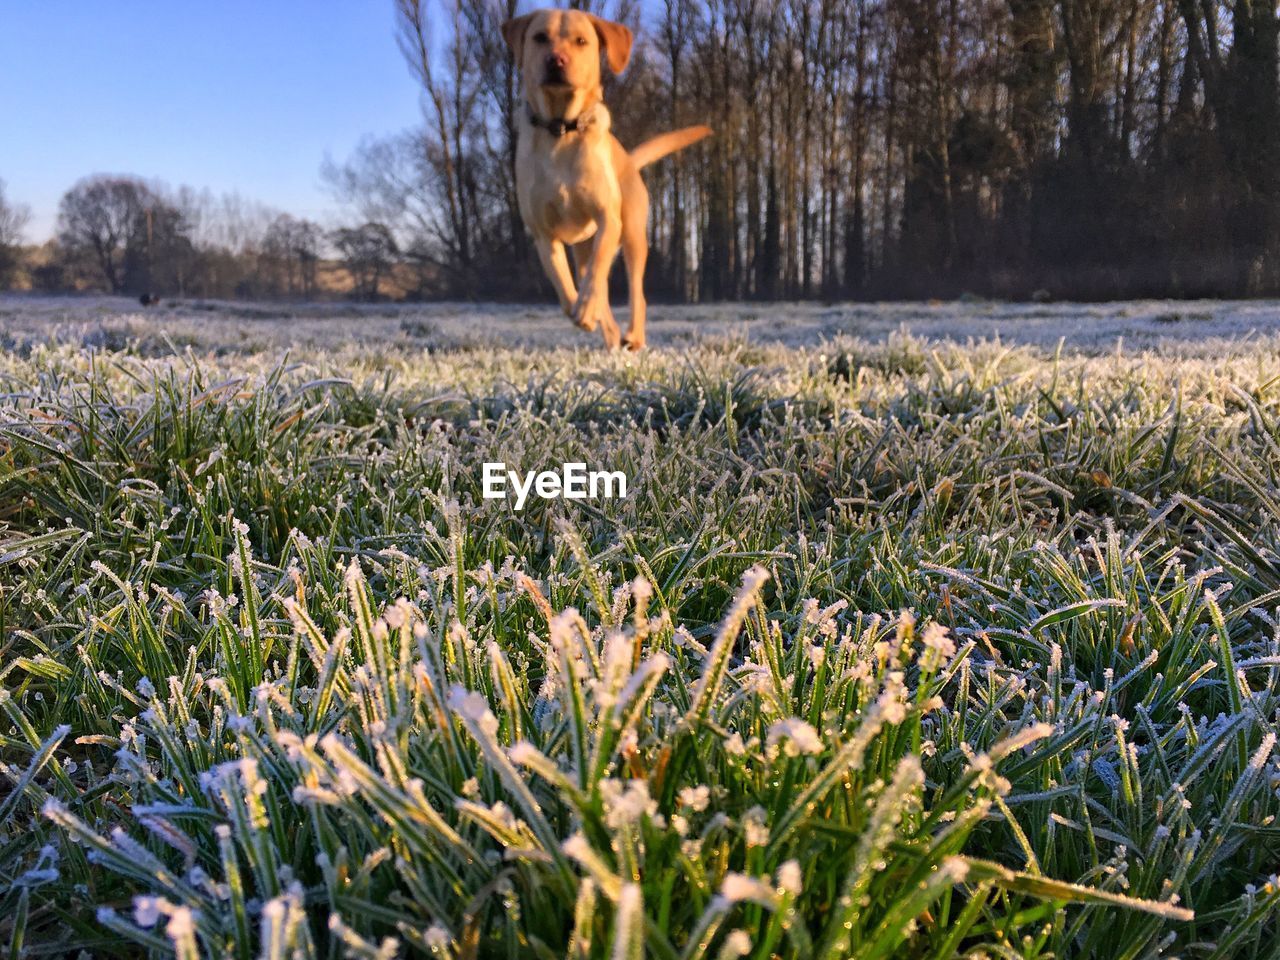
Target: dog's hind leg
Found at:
556, 264
635, 251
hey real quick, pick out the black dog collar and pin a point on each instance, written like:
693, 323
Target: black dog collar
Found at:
556, 126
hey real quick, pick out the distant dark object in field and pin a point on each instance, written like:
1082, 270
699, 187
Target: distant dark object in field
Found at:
1177, 316
904, 358
844, 367
1041, 296
149, 300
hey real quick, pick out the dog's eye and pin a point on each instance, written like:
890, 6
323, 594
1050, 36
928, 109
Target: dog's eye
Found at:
581, 41
540, 38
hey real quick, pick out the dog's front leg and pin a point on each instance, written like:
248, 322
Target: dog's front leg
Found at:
556, 264
593, 301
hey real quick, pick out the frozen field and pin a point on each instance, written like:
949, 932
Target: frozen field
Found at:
1196, 326
899, 646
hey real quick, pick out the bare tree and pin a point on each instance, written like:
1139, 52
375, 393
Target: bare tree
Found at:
368, 252
126, 236
100, 217
229, 235
452, 94
290, 254
1238, 63
14, 218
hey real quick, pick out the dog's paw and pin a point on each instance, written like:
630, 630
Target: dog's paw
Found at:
591, 314
633, 341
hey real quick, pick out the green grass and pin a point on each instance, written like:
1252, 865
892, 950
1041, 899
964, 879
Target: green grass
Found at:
893, 651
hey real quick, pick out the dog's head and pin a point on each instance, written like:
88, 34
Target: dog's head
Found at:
559, 50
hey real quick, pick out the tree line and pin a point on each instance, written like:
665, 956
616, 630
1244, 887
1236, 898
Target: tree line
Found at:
878, 148
125, 235
864, 149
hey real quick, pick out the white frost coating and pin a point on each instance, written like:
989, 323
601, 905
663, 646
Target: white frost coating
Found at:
1220, 327
738, 887
473, 707
437, 937
736, 944
695, 798
625, 804
146, 911
798, 737
790, 878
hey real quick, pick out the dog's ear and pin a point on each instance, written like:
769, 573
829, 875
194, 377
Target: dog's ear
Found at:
616, 40
513, 32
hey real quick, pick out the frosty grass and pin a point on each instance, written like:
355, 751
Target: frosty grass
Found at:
893, 650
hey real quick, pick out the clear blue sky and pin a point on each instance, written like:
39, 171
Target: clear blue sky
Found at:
224, 94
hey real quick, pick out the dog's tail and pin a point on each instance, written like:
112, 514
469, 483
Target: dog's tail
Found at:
665, 143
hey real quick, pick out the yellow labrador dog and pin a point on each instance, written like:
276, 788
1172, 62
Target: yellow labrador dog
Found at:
576, 184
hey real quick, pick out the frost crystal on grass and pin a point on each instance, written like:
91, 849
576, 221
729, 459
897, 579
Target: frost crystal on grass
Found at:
626, 803
695, 798
737, 887
798, 737
755, 828
790, 878
473, 708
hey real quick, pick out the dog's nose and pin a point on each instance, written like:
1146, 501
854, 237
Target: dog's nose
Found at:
557, 61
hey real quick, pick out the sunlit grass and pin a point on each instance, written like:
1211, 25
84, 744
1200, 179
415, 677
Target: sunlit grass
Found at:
893, 651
